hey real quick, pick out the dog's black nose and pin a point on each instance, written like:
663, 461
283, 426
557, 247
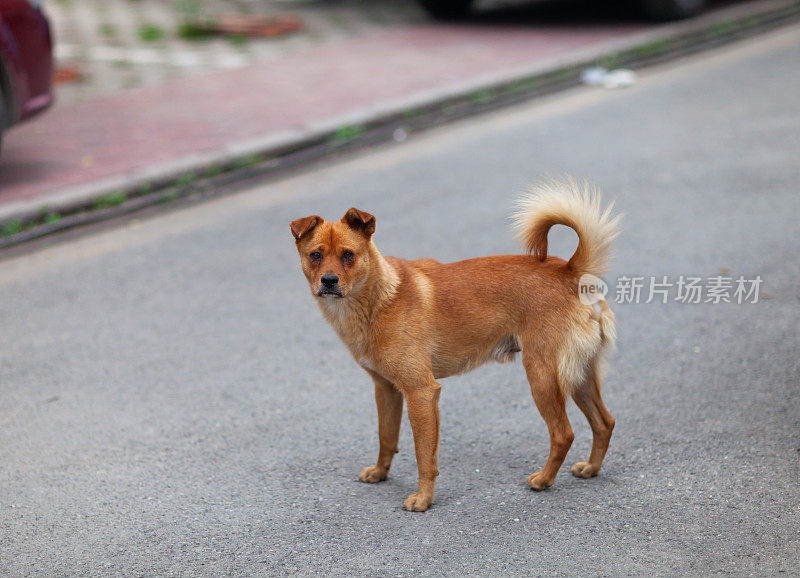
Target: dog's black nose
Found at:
329, 280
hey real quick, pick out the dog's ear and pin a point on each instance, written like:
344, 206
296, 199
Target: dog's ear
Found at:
303, 226
360, 221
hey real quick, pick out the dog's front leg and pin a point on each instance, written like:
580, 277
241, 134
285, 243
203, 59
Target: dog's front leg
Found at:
423, 413
390, 412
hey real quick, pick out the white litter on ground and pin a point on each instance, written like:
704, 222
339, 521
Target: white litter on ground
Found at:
594, 76
598, 76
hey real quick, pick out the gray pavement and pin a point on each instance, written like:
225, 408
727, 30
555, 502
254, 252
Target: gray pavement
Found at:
171, 401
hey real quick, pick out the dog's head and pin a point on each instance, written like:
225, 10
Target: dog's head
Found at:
335, 256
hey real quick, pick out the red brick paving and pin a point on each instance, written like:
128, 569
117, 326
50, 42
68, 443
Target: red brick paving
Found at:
79, 143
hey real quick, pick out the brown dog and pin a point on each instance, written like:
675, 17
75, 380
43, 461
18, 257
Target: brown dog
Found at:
409, 323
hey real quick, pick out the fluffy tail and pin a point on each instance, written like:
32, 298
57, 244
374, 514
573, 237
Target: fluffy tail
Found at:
576, 205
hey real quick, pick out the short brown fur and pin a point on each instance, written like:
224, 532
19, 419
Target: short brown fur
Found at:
411, 323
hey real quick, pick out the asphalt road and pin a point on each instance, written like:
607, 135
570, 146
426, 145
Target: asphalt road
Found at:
172, 402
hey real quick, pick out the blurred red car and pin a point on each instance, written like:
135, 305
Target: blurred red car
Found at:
26, 61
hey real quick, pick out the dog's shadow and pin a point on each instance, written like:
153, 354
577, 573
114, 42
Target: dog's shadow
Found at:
471, 471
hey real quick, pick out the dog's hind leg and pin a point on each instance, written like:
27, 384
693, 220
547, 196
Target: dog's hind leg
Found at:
390, 412
588, 399
549, 399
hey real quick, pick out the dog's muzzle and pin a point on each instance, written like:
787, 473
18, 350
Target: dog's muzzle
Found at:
330, 286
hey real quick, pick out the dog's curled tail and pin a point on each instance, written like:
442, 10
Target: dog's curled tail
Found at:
576, 205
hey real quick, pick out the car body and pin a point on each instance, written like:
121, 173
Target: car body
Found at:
655, 9
26, 61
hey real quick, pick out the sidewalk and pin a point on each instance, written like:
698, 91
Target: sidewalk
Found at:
117, 45
84, 150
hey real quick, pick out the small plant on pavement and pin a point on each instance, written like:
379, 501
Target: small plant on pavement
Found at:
196, 30
150, 32
11, 228
246, 161
52, 218
186, 180
348, 132
194, 26
109, 200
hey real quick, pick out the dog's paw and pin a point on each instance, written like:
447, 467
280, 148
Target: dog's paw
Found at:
584, 470
417, 503
538, 482
373, 474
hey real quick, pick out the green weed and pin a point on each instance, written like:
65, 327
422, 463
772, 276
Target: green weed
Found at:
12, 228
186, 180
109, 200
347, 133
150, 32
51, 218
196, 31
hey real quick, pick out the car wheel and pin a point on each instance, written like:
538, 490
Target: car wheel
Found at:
446, 9
672, 9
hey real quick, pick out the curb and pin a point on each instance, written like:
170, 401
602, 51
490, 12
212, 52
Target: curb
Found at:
222, 172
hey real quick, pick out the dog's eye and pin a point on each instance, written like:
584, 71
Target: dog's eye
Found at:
347, 255
316, 256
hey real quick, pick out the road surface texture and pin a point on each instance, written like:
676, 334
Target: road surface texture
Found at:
172, 402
